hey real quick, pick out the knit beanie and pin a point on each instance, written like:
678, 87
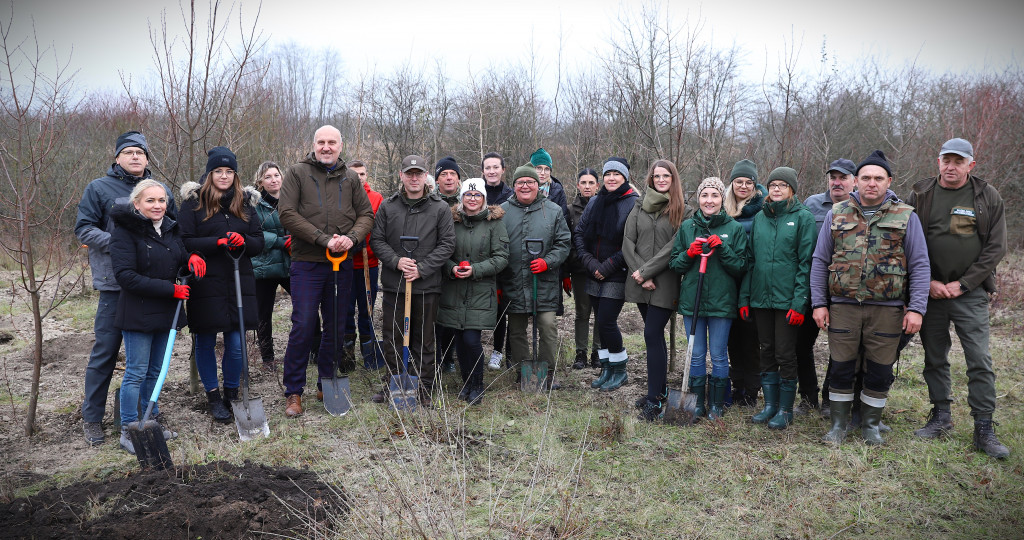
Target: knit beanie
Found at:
713, 182
786, 174
744, 168
447, 164
220, 156
473, 184
616, 163
876, 158
525, 171
540, 157
129, 139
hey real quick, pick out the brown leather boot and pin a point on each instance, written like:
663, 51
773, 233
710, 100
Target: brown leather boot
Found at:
294, 407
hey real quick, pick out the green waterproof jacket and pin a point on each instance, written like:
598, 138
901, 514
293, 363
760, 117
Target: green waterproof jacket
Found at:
472, 303
726, 265
781, 245
273, 261
647, 248
541, 219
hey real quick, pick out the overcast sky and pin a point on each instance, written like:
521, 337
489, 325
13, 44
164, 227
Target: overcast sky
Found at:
105, 38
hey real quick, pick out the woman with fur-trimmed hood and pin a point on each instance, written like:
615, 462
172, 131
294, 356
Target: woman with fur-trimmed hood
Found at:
469, 302
217, 216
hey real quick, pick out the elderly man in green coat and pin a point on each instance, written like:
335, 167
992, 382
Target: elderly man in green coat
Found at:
528, 216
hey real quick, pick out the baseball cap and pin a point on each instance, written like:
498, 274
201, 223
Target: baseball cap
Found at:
414, 162
959, 147
842, 165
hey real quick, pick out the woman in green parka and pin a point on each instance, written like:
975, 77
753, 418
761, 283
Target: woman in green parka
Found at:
776, 291
652, 285
469, 301
270, 267
710, 228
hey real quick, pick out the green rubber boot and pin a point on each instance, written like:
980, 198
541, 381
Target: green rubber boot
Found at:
839, 412
617, 366
870, 417
716, 397
698, 387
787, 394
770, 389
606, 371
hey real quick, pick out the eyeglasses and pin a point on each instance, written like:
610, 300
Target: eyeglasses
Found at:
525, 182
778, 185
129, 153
473, 196
743, 183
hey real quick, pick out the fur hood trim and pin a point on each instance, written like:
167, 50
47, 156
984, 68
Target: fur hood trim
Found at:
190, 190
493, 212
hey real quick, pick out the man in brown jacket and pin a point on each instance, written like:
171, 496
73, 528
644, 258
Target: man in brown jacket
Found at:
324, 206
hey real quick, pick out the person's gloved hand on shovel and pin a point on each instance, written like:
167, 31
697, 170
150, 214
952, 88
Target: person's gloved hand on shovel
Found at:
232, 240
538, 265
697, 247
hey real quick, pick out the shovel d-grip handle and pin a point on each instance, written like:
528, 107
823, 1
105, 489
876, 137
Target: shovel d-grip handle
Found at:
704, 261
534, 242
336, 261
406, 241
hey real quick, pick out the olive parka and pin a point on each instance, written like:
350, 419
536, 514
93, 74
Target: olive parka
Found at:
428, 218
647, 247
726, 265
472, 303
781, 247
540, 219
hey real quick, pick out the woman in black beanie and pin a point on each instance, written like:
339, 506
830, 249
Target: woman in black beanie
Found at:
598, 241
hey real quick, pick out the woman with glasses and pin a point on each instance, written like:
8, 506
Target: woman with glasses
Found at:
598, 239
469, 293
776, 291
743, 200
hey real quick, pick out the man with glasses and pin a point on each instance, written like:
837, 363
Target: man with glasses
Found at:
93, 227
414, 211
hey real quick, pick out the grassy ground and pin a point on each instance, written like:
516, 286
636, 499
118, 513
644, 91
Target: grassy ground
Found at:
577, 464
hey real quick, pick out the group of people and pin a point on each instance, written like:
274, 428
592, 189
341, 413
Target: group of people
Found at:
480, 254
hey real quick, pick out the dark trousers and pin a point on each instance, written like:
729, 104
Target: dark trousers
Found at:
422, 317
471, 353
606, 321
500, 336
778, 342
313, 290
655, 320
744, 357
806, 373
266, 292
102, 358
583, 311
357, 304
445, 343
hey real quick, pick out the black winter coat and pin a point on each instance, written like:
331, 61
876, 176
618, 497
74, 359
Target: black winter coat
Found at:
605, 252
212, 306
145, 266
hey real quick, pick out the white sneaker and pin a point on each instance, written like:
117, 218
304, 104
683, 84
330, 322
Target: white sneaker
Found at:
495, 362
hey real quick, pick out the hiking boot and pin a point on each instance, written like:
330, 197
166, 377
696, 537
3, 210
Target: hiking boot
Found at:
606, 371
220, 412
372, 356
476, 392
294, 407
770, 388
940, 424
787, 394
230, 394
595, 359
698, 387
549, 383
986, 441
651, 411
495, 361
125, 442
871, 417
380, 397
639, 403
93, 433
348, 354
716, 397
320, 396
581, 359
464, 391
839, 413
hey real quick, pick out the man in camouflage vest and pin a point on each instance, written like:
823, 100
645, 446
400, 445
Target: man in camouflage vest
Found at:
869, 262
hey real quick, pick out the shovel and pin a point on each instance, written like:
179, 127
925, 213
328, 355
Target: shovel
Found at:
532, 373
147, 436
682, 404
404, 388
377, 353
250, 419
336, 389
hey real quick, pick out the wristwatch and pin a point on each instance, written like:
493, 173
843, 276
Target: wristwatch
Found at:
963, 288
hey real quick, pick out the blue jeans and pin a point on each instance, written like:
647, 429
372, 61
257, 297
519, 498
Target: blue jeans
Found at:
716, 331
144, 355
102, 358
357, 301
206, 359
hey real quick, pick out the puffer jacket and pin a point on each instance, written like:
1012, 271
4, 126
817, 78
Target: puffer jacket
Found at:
146, 265
94, 225
471, 303
212, 306
647, 247
541, 219
317, 203
427, 218
274, 261
726, 266
781, 246
604, 250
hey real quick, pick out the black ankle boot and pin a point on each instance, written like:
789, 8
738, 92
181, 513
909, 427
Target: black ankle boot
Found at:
220, 412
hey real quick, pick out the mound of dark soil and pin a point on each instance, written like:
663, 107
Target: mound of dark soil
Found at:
216, 500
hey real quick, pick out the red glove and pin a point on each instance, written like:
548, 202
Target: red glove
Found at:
181, 292
288, 243
714, 241
567, 285
499, 296
794, 318
232, 240
696, 248
745, 313
197, 265
538, 265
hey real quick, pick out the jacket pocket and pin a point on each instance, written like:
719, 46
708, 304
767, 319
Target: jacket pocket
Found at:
962, 221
